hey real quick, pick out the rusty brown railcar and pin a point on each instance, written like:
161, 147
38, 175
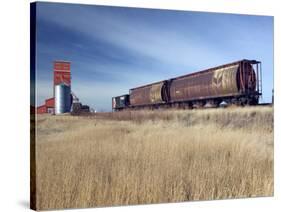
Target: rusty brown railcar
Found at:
155, 93
231, 80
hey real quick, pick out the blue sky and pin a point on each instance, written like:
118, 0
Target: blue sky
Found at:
113, 49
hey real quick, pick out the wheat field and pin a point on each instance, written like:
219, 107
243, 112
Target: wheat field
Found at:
153, 156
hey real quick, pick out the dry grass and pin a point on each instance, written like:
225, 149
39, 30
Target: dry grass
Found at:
154, 156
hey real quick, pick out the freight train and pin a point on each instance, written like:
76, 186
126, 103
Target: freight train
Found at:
236, 83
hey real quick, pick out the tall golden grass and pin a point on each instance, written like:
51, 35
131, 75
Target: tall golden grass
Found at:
154, 156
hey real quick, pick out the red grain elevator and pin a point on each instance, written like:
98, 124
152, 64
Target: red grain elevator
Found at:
62, 72
61, 75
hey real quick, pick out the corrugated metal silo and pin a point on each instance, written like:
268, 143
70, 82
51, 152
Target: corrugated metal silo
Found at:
62, 98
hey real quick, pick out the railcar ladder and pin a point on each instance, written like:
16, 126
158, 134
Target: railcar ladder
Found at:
260, 79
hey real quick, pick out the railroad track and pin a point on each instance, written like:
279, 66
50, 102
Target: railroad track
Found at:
264, 104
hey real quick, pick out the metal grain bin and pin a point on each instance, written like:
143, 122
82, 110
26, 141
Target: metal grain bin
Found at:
62, 98
155, 93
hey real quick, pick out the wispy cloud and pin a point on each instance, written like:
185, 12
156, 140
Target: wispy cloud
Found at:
169, 45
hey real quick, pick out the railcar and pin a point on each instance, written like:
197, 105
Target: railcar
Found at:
149, 95
120, 102
234, 83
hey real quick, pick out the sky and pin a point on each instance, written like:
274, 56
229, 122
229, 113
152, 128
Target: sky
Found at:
113, 49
